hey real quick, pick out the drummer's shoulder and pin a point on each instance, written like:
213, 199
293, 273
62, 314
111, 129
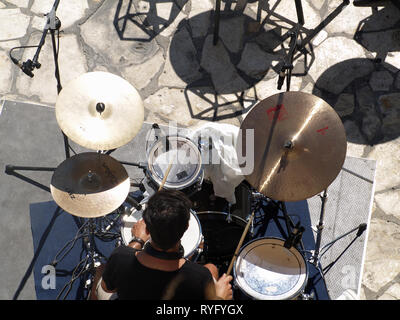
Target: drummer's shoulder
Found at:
196, 268
122, 251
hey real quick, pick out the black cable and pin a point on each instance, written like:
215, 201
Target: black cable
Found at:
22, 47
77, 236
73, 278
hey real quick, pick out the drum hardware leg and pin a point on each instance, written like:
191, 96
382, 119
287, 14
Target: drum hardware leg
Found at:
293, 233
320, 227
316, 256
10, 170
87, 232
360, 230
290, 226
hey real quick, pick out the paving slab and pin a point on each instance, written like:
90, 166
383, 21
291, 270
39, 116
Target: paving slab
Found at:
17, 19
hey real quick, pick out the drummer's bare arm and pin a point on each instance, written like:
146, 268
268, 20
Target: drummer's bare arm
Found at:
139, 231
97, 277
223, 287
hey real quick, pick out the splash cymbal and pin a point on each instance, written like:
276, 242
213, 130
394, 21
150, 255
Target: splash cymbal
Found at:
99, 111
299, 146
90, 185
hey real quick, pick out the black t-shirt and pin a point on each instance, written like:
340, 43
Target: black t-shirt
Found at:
134, 281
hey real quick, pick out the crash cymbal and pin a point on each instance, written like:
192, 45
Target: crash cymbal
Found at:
299, 146
90, 185
99, 111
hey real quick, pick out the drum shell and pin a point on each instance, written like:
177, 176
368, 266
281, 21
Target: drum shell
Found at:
303, 275
221, 237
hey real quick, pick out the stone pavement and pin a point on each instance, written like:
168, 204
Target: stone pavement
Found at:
351, 59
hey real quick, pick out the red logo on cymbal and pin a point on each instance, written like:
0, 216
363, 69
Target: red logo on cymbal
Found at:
277, 113
322, 131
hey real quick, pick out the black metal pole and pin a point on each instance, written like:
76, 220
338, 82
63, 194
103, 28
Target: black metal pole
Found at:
320, 227
299, 11
51, 23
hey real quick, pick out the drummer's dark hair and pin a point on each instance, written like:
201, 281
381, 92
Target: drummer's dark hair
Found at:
167, 217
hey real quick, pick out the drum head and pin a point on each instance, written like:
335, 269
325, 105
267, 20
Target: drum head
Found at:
266, 270
185, 158
190, 240
192, 237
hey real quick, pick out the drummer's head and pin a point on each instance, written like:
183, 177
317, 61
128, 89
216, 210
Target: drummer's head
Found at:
167, 217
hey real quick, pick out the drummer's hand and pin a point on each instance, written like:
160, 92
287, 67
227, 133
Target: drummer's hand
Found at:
224, 288
139, 230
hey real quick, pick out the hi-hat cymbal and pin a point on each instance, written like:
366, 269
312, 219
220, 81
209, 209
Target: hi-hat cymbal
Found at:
99, 111
299, 146
90, 185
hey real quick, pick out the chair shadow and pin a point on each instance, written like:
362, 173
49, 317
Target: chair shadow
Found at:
380, 32
364, 92
249, 50
147, 17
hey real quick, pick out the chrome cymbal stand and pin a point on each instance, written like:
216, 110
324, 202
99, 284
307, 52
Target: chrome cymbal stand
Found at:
315, 259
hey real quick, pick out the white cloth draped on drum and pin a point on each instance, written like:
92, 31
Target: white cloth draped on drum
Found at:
218, 152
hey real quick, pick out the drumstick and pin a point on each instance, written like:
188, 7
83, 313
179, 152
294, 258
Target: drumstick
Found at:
240, 243
165, 176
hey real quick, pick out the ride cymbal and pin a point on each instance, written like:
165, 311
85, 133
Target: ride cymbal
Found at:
299, 146
100, 111
90, 185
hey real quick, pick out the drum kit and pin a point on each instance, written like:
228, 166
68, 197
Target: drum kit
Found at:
299, 149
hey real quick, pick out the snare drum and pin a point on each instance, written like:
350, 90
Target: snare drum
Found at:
190, 241
186, 173
266, 270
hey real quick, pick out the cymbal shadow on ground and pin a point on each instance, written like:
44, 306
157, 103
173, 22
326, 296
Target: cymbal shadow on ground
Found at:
363, 93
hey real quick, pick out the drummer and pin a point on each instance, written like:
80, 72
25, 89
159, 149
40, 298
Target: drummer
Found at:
156, 269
